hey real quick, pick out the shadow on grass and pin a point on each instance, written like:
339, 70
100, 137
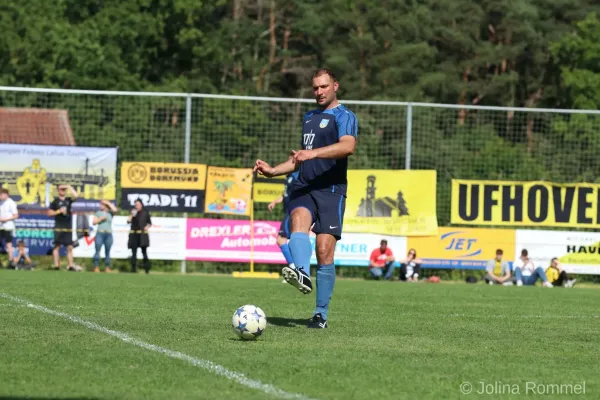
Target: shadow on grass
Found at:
288, 322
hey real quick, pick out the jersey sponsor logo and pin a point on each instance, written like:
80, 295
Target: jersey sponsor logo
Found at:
308, 140
323, 123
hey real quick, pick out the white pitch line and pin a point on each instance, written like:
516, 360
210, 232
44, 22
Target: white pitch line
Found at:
197, 362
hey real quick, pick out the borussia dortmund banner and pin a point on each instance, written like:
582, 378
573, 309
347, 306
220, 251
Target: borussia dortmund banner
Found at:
228, 190
388, 202
163, 186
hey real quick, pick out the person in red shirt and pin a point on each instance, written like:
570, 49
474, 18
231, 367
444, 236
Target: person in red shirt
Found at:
382, 258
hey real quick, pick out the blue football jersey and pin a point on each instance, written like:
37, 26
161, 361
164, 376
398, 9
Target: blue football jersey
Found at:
321, 128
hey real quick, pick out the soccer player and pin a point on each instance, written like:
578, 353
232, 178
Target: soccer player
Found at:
319, 194
284, 228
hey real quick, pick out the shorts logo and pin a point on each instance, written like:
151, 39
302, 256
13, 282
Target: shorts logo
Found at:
323, 123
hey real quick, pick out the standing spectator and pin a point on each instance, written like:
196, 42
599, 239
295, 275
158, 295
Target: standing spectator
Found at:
527, 274
20, 257
557, 276
104, 237
411, 267
8, 215
381, 258
60, 209
498, 271
138, 236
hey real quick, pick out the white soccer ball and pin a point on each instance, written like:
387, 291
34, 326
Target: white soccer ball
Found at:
249, 322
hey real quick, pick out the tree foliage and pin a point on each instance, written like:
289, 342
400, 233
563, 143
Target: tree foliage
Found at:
526, 53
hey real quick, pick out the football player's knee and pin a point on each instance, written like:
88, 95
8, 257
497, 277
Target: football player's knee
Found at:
325, 253
301, 220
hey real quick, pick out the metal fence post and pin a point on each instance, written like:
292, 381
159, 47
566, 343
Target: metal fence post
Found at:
186, 156
408, 135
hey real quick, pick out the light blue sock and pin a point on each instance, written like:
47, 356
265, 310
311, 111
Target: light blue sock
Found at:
285, 249
301, 250
325, 284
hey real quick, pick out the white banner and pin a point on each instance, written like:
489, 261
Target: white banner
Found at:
578, 252
167, 240
355, 248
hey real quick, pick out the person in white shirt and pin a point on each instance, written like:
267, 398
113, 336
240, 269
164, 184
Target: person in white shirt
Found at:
8, 215
526, 273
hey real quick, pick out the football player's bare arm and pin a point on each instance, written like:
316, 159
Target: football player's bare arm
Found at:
284, 168
342, 149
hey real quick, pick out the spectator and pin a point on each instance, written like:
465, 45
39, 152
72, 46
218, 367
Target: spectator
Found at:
20, 257
8, 215
60, 209
527, 274
381, 258
138, 236
557, 276
411, 267
498, 271
104, 237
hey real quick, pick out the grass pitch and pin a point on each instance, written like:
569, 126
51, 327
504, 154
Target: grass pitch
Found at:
386, 340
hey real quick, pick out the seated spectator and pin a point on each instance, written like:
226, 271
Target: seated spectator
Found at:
527, 274
410, 268
382, 258
20, 258
558, 277
498, 271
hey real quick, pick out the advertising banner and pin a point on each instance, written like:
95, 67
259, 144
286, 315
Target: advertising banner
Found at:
228, 190
265, 190
387, 202
172, 187
463, 248
578, 252
36, 231
354, 250
511, 203
167, 239
31, 173
229, 240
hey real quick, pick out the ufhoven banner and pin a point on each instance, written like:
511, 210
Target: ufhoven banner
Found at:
525, 204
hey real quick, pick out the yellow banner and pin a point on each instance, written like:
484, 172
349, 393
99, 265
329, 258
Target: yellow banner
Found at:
525, 204
153, 175
468, 248
32, 174
388, 202
266, 190
228, 190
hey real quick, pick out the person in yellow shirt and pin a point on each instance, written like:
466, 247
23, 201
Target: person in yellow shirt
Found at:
557, 276
498, 271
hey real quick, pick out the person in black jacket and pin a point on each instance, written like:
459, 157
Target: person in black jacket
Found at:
138, 235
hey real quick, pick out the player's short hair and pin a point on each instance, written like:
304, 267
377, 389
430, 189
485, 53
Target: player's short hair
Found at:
324, 71
383, 241
3, 190
524, 253
499, 252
